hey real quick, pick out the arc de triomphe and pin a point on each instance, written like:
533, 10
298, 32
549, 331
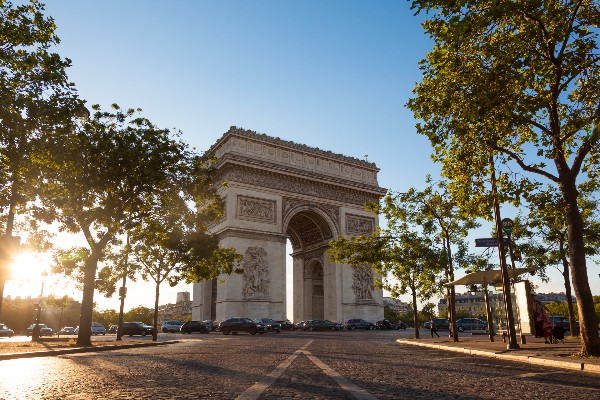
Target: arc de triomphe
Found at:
278, 190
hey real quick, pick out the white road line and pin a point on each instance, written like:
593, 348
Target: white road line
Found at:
254, 392
344, 383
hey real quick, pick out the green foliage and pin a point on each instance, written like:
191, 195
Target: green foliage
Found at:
106, 317
140, 314
109, 173
516, 82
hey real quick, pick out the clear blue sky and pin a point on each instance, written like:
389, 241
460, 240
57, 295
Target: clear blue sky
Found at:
330, 74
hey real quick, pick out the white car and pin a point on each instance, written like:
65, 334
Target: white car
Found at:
171, 326
98, 329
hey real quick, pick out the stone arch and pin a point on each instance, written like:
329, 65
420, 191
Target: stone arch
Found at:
278, 190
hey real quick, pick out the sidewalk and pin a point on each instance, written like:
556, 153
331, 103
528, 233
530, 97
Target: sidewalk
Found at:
53, 346
535, 351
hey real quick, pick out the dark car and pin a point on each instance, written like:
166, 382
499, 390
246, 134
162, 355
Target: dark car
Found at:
299, 325
319, 325
6, 331
286, 325
193, 326
211, 325
385, 325
113, 329
359, 323
440, 323
270, 325
137, 328
44, 330
471, 324
235, 325
564, 323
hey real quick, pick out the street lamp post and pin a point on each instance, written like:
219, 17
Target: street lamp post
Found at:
510, 321
123, 292
35, 334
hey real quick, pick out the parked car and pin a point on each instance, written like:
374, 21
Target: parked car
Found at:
286, 325
137, 328
470, 324
320, 325
440, 323
67, 330
235, 325
5, 331
113, 329
193, 326
98, 329
564, 323
399, 325
298, 325
270, 325
171, 326
359, 323
211, 325
44, 330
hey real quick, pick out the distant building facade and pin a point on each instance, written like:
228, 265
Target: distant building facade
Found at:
397, 306
181, 310
473, 303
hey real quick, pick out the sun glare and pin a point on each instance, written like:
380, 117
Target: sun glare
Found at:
27, 272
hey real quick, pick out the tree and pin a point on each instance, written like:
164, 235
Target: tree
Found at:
520, 81
546, 228
61, 303
141, 314
36, 97
439, 215
100, 182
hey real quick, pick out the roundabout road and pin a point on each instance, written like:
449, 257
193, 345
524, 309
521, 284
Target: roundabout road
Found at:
306, 365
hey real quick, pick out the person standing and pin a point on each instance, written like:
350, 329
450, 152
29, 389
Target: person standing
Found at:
433, 327
546, 326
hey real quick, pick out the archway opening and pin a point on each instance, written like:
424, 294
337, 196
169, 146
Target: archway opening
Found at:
309, 234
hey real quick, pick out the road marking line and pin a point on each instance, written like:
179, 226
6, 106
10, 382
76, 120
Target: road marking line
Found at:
254, 392
358, 392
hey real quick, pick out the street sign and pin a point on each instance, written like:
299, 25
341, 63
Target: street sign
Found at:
489, 242
507, 225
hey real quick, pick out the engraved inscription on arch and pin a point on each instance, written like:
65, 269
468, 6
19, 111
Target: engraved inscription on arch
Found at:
254, 209
359, 225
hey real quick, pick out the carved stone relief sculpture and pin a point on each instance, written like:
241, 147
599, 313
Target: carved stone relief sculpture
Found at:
358, 225
256, 209
363, 277
256, 273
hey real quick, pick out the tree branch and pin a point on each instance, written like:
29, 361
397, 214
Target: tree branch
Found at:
522, 164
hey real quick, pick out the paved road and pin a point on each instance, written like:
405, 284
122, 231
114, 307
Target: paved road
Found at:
298, 365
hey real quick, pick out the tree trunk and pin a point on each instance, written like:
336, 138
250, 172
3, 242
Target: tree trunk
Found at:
156, 294
452, 292
588, 323
568, 294
415, 313
87, 302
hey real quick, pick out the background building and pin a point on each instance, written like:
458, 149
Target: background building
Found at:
181, 310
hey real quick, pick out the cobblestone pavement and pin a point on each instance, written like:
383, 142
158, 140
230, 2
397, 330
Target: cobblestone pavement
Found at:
298, 365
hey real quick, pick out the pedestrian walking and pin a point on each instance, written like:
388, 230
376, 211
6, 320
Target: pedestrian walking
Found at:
546, 326
433, 327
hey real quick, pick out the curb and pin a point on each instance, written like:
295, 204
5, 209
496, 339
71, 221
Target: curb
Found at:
75, 350
572, 365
